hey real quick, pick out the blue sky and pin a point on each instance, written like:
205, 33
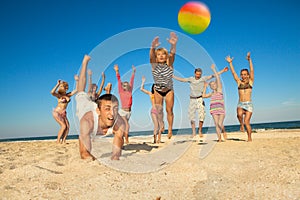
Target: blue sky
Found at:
43, 41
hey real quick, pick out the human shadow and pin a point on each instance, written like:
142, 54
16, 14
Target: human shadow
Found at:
202, 143
181, 142
139, 147
236, 139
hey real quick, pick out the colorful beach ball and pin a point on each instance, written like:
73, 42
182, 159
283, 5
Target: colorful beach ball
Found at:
194, 17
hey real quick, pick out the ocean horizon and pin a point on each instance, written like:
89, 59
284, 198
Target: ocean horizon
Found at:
256, 127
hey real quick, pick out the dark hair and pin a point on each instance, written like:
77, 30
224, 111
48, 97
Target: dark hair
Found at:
246, 70
107, 97
198, 70
152, 89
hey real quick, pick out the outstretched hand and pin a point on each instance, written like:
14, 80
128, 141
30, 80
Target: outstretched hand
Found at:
86, 58
213, 67
248, 56
133, 68
143, 79
116, 68
89, 72
173, 38
155, 42
226, 69
229, 59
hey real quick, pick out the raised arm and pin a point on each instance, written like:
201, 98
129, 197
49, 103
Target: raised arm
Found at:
216, 74
180, 79
225, 69
82, 75
235, 76
102, 84
155, 43
76, 78
173, 41
90, 82
116, 68
132, 77
142, 86
250, 66
204, 95
108, 88
53, 91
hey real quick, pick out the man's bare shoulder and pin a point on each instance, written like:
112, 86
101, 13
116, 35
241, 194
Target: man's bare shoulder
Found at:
120, 123
88, 119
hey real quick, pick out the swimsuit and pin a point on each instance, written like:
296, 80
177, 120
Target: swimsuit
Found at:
60, 113
244, 86
247, 105
163, 93
63, 100
217, 104
154, 111
163, 78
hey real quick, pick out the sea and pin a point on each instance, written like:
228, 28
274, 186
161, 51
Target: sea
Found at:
256, 128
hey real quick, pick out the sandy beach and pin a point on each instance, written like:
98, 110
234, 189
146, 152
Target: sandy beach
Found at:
180, 168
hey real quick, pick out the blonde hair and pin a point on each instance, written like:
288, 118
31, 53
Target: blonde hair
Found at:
60, 90
164, 50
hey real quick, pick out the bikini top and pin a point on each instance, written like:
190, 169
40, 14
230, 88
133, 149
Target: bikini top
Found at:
244, 86
64, 100
152, 97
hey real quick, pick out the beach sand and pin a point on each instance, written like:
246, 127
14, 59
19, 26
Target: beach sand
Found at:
267, 168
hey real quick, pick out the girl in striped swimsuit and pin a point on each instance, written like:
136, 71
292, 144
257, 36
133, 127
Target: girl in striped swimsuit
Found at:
217, 108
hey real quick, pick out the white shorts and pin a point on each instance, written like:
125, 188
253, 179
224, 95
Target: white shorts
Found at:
124, 113
196, 105
84, 104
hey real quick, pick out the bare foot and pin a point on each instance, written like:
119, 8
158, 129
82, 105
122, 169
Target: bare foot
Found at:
170, 135
87, 156
154, 141
225, 136
115, 158
200, 135
242, 128
159, 138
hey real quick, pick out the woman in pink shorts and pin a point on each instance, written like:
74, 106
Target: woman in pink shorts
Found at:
158, 123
